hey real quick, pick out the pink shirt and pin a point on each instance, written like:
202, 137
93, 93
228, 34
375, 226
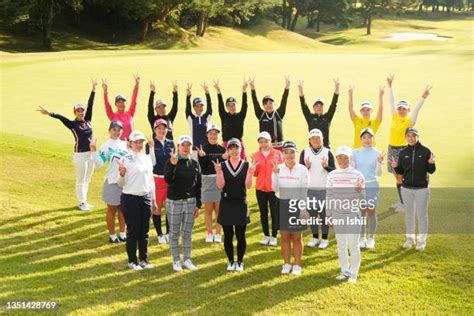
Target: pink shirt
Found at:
126, 118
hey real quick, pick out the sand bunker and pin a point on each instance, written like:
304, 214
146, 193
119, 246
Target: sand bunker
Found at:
409, 36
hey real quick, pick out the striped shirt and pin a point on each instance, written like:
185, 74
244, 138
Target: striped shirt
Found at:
291, 183
341, 187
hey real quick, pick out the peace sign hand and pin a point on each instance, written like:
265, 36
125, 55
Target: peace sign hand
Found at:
337, 84
245, 85
152, 86
324, 162
217, 167
151, 142
174, 157
287, 82
205, 87
300, 87
137, 79
426, 93
275, 168
381, 158
217, 86
351, 90
104, 85
381, 91
42, 110
94, 84
307, 162
201, 152
175, 85
122, 168
189, 86
252, 83
432, 159
390, 79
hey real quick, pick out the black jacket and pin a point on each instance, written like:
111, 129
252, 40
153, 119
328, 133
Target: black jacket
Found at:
169, 118
184, 180
232, 124
413, 165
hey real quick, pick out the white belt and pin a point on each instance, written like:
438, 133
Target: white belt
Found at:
158, 176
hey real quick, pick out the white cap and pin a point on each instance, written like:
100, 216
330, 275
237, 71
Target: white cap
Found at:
212, 127
318, 100
185, 138
136, 135
315, 133
264, 135
79, 106
403, 104
366, 104
344, 150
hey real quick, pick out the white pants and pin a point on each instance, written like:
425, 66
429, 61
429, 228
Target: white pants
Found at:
84, 166
416, 208
347, 237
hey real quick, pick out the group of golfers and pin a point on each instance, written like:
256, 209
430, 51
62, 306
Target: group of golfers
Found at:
179, 176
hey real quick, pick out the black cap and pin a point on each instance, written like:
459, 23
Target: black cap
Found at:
120, 97
367, 130
289, 145
197, 101
412, 130
115, 124
234, 142
230, 100
268, 97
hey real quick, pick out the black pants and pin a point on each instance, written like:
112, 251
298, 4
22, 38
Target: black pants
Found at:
136, 210
157, 224
266, 200
319, 195
228, 241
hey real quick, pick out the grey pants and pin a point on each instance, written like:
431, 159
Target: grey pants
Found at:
181, 219
416, 208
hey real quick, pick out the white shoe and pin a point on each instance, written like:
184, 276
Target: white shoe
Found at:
323, 244
134, 266
231, 266
370, 243
217, 238
400, 208
313, 242
146, 265
161, 239
343, 276
394, 206
265, 240
420, 246
189, 265
273, 241
239, 267
209, 238
352, 279
83, 207
409, 243
296, 270
177, 266
167, 238
90, 205
286, 268
363, 242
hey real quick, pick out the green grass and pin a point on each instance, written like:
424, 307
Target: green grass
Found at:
50, 251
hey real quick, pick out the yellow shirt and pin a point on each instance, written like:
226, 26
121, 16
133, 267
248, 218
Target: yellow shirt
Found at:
397, 130
359, 124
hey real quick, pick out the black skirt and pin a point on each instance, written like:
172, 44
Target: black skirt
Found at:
233, 211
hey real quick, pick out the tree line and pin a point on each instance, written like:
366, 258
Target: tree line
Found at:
139, 16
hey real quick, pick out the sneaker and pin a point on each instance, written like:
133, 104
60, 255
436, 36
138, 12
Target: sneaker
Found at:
209, 238
363, 242
400, 208
122, 239
114, 240
420, 246
146, 265
189, 265
167, 238
83, 207
370, 243
90, 205
313, 242
394, 206
352, 279
286, 268
323, 244
239, 267
231, 266
296, 270
344, 275
265, 240
273, 241
134, 266
161, 239
217, 238
177, 266
408, 243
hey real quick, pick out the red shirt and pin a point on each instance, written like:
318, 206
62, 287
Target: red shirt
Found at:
126, 118
263, 170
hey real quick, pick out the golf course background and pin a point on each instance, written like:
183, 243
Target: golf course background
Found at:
51, 251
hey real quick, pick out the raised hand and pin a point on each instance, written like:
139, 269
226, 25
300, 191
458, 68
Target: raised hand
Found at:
175, 85
275, 168
42, 110
217, 166
122, 168
252, 166
252, 83
205, 87
94, 84
307, 162
426, 93
137, 79
217, 86
287, 82
390, 79
300, 87
150, 141
104, 85
337, 84
432, 159
351, 90
381, 157
189, 87
174, 157
245, 85
381, 91
324, 162
93, 145
201, 152
152, 86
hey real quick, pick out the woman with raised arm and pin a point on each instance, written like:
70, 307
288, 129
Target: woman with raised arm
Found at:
159, 110
81, 129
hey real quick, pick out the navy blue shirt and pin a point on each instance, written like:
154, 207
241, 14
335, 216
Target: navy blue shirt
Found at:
198, 124
162, 155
